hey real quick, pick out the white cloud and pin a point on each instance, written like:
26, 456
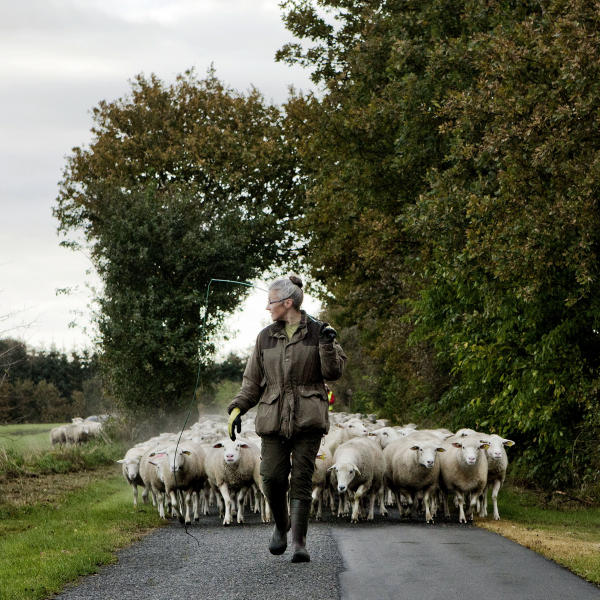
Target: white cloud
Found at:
59, 59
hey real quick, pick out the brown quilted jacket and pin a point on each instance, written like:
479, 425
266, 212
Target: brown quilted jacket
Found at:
286, 379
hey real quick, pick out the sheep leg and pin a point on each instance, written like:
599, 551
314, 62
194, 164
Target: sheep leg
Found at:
145, 495
320, 505
495, 490
399, 502
460, 500
188, 507
220, 504
175, 504
372, 498
357, 497
261, 500
426, 502
331, 501
224, 489
196, 504
256, 495
382, 509
433, 504
240, 502
161, 505
414, 512
446, 507
205, 495
472, 505
135, 495
482, 501
390, 497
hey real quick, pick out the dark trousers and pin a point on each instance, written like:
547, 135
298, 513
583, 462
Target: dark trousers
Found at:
280, 456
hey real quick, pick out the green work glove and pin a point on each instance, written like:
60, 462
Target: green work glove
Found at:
235, 422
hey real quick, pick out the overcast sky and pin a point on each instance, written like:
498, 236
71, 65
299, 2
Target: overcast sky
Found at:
59, 59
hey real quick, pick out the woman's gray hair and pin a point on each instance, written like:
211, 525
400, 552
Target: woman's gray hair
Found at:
289, 287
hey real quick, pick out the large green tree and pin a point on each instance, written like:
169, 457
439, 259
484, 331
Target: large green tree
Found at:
512, 231
367, 146
181, 183
452, 177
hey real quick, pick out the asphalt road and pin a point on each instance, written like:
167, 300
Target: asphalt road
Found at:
381, 560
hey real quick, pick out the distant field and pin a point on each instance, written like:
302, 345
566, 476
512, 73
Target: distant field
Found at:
21, 438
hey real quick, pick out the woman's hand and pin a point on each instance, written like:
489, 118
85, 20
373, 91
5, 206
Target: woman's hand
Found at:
327, 334
235, 422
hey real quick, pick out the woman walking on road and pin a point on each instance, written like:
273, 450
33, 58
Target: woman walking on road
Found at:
286, 376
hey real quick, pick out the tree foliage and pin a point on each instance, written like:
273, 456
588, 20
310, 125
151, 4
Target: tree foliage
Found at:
451, 168
513, 293
48, 386
181, 183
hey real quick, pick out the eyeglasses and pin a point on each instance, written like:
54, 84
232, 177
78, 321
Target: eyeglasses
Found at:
269, 302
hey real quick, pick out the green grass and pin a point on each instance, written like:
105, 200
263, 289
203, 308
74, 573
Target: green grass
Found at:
567, 533
60, 460
28, 437
524, 506
43, 547
26, 449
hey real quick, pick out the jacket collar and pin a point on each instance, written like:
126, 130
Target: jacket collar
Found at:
278, 328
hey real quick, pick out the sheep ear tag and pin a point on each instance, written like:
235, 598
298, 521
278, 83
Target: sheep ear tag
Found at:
508, 443
440, 449
321, 456
186, 452
484, 446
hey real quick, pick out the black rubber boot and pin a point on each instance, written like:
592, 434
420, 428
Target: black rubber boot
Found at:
299, 511
279, 510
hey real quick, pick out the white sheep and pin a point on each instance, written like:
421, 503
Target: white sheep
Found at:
183, 470
359, 468
323, 461
150, 474
412, 469
463, 471
497, 464
131, 471
58, 435
230, 467
385, 435
342, 432
76, 433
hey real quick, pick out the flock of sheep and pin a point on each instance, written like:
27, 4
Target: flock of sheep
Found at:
361, 461
78, 431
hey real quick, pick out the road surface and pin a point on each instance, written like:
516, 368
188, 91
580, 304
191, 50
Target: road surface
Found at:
382, 560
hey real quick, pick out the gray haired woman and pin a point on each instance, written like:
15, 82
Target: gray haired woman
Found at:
285, 376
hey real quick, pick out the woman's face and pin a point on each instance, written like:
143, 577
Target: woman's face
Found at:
278, 307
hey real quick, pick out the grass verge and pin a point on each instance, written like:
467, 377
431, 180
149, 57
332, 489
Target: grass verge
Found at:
27, 437
568, 534
66, 535
66, 459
